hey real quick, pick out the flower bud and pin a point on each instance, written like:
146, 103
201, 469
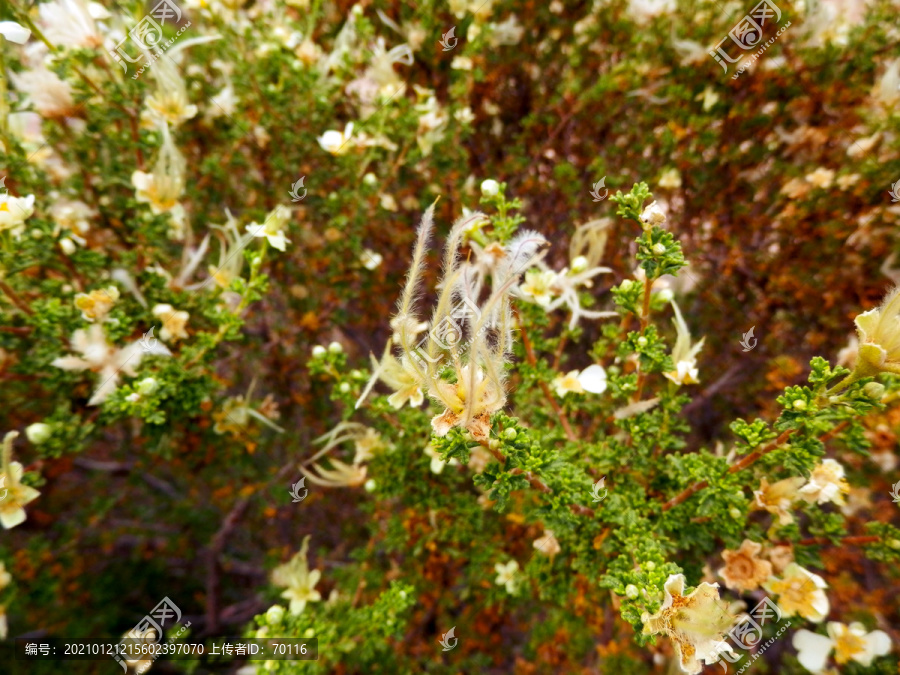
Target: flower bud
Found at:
631, 591
625, 285
335, 348
38, 432
370, 179
344, 388
369, 485
318, 351
734, 512
275, 614
894, 544
490, 188
642, 341
799, 404
874, 390
510, 434
147, 386
650, 565
666, 295
579, 264
659, 249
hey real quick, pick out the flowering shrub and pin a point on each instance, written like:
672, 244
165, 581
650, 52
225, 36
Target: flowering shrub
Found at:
220, 372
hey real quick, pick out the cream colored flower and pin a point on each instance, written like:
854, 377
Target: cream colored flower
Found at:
820, 178
653, 215
107, 361
336, 142
370, 259
367, 443
800, 592
826, 484
670, 177
547, 544
695, 623
14, 211
437, 464
850, 643
298, 580
538, 286
568, 383
508, 576
173, 322
778, 497
780, 556
273, 227
169, 102
341, 475
13, 495
684, 355
96, 305
879, 337
399, 375
50, 96
72, 22
73, 215
744, 570
163, 188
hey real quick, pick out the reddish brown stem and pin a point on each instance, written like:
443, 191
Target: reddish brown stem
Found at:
533, 480
822, 541
16, 300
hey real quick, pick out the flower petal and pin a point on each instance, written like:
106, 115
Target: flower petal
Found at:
812, 650
593, 379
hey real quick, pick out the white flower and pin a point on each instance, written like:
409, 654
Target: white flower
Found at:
437, 465
507, 575
163, 188
820, 178
273, 227
15, 495
653, 215
507, 32
335, 141
107, 361
851, 643
50, 96
71, 22
592, 379
14, 32
72, 215
826, 484
14, 211
548, 544
684, 355
370, 259
490, 188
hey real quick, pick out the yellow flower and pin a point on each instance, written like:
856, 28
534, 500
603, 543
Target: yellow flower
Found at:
173, 322
97, 304
800, 592
696, 623
744, 570
879, 337
13, 495
299, 582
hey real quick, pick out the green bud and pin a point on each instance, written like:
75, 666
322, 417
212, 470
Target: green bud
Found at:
344, 388
650, 565
510, 434
631, 591
318, 351
642, 341
38, 432
894, 544
659, 249
275, 614
799, 404
147, 386
734, 512
335, 348
874, 390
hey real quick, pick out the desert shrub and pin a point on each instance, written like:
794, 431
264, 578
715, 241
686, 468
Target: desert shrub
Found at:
154, 191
